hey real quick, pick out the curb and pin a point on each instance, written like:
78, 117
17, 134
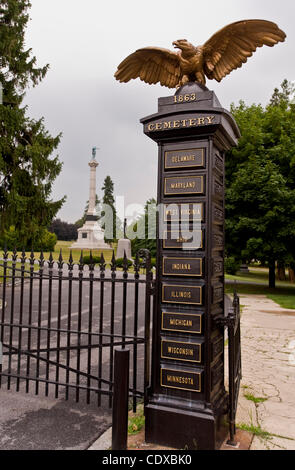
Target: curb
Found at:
104, 442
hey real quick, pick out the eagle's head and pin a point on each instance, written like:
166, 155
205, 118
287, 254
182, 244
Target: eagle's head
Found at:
185, 46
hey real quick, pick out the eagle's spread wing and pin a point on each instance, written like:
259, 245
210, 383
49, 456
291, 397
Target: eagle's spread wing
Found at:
152, 65
230, 47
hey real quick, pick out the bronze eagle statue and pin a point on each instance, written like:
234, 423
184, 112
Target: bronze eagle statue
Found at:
225, 51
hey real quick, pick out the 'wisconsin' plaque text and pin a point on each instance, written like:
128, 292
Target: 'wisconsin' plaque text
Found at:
180, 351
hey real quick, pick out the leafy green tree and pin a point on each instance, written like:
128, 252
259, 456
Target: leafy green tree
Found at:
27, 170
148, 221
260, 183
63, 230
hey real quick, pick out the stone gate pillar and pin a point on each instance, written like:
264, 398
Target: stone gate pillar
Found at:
187, 401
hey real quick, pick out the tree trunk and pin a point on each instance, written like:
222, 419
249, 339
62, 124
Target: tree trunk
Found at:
271, 274
281, 272
291, 274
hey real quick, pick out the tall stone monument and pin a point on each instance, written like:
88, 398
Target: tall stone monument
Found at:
91, 235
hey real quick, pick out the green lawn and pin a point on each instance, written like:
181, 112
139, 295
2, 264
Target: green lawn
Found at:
65, 248
257, 275
282, 295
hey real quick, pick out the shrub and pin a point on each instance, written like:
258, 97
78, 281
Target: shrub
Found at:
46, 242
119, 263
95, 259
43, 240
231, 265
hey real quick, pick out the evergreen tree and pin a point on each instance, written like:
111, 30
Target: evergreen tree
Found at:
148, 221
80, 222
27, 170
109, 213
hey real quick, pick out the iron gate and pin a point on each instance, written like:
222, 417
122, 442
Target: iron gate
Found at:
231, 321
60, 322
234, 363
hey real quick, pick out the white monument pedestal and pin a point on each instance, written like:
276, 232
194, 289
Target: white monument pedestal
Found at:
91, 237
124, 245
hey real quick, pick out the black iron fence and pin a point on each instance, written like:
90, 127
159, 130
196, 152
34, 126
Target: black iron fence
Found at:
61, 321
234, 363
232, 322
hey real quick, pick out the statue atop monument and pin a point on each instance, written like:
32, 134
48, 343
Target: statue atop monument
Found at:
94, 152
225, 51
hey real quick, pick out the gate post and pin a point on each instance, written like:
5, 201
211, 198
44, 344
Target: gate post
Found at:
120, 399
186, 399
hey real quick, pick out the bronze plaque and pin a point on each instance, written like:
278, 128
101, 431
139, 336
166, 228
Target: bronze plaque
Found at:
182, 267
181, 379
186, 322
218, 188
217, 241
218, 215
217, 347
177, 294
218, 163
180, 351
217, 374
184, 158
189, 212
175, 240
176, 185
217, 293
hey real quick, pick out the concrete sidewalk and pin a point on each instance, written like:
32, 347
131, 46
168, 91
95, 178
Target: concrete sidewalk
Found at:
267, 395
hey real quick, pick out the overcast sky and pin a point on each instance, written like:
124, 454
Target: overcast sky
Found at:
84, 41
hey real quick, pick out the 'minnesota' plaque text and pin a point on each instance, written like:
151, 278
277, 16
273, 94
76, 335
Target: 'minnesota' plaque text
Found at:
183, 380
